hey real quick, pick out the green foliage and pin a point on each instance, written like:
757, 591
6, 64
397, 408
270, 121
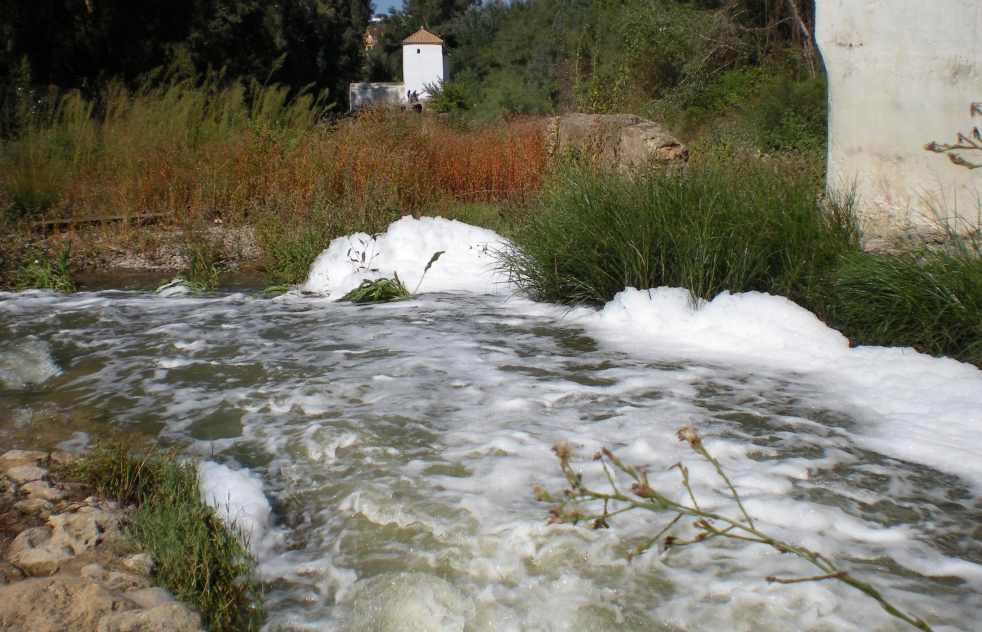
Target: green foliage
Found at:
39, 273
580, 503
449, 96
204, 256
78, 45
198, 557
926, 296
377, 291
712, 228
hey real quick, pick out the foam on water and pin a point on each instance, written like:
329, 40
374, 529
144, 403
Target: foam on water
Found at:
467, 262
398, 444
238, 499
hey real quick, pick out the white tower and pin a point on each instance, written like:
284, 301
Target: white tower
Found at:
423, 62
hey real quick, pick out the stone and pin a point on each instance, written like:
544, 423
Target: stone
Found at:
62, 458
56, 604
9, 573
32, 506
139, 563
34, 552
42, 490
167, 617
119, 581
149, 597
615, 140
84, 528
16, 458
21, 474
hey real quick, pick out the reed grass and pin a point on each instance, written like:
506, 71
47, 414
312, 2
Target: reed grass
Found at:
708, 229
200, 559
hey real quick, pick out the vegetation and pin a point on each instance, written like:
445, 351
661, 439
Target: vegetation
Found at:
377, 291
197, 557
41, 274
579, 503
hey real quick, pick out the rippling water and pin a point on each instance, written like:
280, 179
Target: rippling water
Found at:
398, 444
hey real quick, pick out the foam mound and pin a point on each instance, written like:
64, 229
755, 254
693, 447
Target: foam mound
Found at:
466, 265
238, 499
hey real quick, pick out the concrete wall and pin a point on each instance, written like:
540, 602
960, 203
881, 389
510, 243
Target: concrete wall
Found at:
362, 94
902, 73
422, 64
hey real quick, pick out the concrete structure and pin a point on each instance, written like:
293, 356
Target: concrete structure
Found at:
362, 94
424, 62
902, 73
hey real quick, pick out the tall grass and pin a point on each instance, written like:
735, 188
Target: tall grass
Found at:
751, 226
927, 296
707, 229
198, 558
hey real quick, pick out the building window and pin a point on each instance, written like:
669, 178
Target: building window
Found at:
417, 51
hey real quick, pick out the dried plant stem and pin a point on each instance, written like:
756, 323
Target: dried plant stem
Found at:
567, 509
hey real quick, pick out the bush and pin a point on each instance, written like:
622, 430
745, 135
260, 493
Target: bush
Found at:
709, 229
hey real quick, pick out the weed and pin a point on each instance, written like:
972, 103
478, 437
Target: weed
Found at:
579, 503
41, 274
198, 557
377, 291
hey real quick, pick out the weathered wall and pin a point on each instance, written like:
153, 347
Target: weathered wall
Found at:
362, 94
423, 67
902, 73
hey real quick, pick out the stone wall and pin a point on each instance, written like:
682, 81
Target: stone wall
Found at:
362, 94
902, 73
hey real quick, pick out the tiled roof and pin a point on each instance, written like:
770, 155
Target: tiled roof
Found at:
422, 36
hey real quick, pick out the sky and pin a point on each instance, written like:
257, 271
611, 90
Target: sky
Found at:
383, 6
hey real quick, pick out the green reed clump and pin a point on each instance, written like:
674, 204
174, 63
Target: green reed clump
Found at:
707, 229
38, 272
198, 557
377, 291
926, 296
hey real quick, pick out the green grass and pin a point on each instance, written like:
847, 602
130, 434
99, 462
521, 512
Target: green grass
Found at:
200, 559
926, 296
40, 273
707, 229
750, 226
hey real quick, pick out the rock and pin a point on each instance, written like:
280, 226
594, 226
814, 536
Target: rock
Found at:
168, 617
9, 573
16, 458
120, 581
150, 597
42, 490
85, 528
62, 458
56, 604
21, 474
615, 140
33, 552
139, 563
32, 506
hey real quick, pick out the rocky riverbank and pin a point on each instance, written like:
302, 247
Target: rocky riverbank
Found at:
67, 563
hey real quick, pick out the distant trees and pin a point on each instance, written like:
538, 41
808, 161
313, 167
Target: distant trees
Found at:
81, 43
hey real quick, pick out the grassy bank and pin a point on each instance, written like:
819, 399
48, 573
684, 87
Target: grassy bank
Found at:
751, 225
191, 153
200, 559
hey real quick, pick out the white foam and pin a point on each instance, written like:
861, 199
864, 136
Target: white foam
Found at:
924, 409
466, 265
238, 499
26, 363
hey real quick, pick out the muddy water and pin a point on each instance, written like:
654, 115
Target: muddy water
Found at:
398, 445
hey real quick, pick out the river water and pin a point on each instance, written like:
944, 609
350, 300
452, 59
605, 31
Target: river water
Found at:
397, 445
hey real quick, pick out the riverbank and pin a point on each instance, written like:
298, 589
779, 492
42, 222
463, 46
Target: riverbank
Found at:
108, 540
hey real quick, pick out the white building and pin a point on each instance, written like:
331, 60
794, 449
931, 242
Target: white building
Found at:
424, 62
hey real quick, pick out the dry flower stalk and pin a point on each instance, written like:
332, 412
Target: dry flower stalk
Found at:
578, 503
